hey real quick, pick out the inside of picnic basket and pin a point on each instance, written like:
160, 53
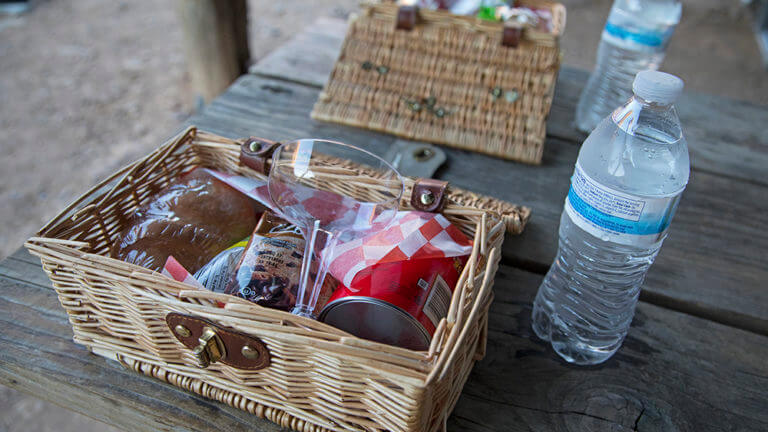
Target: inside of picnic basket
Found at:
100, 216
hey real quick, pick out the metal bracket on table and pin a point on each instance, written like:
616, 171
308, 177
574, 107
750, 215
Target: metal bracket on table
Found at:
415, 159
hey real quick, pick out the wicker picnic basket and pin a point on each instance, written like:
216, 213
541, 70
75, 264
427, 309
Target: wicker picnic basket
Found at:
449, 79
309, 376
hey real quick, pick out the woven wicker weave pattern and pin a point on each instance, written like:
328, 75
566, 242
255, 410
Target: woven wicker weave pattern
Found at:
383, 77
319, 378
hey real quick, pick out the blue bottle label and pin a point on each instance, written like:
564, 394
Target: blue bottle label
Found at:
616, 216
649, 38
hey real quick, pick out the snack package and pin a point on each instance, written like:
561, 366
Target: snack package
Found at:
193, 219
214, 276
269, 269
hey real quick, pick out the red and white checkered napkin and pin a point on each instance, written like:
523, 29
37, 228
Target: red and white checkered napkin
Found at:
411, 235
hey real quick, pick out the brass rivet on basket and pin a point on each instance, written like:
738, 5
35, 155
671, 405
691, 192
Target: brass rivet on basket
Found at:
511, 96
182, 331
249, 353
427, 197
440, 112
382, 70
414, 106
496, 92
367, 65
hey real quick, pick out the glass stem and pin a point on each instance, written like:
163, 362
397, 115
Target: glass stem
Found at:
317, 256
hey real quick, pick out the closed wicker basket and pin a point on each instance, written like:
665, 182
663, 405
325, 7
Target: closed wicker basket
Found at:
448, 80
316, 377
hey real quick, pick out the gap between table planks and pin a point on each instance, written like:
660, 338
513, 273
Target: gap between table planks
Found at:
674, 372
712, 265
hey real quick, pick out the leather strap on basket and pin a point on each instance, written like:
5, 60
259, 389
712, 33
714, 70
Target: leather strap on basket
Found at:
406, 17
239, 350
428, 195
511, 35
256, 152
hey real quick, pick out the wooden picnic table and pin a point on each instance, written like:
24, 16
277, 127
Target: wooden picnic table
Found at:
696, 354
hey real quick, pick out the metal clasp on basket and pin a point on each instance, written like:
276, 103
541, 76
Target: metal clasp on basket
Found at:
211, 343
210, 350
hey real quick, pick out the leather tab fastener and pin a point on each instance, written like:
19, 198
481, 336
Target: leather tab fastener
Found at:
406, 17
511, 35
236, 349
256, 152
428, 195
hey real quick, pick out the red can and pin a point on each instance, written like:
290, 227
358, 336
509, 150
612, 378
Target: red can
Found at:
399, 303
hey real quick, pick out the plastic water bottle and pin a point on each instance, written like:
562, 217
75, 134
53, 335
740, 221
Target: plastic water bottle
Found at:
634, 39
624, 191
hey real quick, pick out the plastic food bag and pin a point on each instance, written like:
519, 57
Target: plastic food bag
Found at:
193, 219
215, 275
269, 269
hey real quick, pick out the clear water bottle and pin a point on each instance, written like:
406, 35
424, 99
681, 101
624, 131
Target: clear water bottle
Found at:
634, 39
624, 191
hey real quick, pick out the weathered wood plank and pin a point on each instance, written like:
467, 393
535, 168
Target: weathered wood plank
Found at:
725, 136
39, 357
309, 55
675, 372
20, 269
715, 255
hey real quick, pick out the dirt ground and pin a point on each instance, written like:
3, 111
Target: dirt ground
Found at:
87, 86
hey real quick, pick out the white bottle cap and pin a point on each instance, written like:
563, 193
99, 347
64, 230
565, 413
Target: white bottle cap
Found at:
657, 87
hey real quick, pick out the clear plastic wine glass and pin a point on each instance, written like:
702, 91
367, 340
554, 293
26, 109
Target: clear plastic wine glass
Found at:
331, 201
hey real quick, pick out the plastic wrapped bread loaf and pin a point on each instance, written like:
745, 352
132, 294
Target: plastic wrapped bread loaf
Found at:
193, 219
